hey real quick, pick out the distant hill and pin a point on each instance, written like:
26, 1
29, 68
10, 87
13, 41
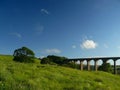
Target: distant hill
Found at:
23, 76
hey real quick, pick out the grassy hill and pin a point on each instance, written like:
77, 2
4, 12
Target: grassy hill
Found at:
21, 76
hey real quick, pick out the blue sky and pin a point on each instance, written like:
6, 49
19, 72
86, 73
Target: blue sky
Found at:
70, 28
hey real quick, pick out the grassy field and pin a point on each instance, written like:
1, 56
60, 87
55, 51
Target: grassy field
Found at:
22, 76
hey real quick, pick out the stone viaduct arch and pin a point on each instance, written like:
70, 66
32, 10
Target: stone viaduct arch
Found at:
96, 59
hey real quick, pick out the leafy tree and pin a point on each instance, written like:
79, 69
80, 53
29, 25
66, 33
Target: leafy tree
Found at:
45, 61
52, 59
57, 59
24, 54
105, 67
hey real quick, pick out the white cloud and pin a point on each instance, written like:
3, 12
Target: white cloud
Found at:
88, 44
74, 46
16, 34
52, 51
45, 11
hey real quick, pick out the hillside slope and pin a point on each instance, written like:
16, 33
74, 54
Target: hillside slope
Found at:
21, 76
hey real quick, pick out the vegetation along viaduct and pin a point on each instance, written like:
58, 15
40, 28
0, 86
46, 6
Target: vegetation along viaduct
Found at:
95, 59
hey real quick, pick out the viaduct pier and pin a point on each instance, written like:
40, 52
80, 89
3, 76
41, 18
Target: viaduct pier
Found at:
95, 59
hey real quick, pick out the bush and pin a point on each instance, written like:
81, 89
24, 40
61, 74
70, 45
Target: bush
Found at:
105, 67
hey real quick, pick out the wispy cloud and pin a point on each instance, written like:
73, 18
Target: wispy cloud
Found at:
88, 44
118, 47
106, 46
45, 11
85, 37
73, 46
18, 35
39, 29
53, 51
41, 56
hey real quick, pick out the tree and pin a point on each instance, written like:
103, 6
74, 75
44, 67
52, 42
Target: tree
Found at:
24, 54
52, 59
45, 61
105, 67
57, 59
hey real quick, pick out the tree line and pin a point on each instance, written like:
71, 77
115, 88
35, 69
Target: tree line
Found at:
26, 55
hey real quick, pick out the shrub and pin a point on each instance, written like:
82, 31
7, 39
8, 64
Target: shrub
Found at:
105, 67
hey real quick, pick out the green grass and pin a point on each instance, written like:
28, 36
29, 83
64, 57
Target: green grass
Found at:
22, 76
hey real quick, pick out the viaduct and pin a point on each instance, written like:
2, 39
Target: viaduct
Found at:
95, 59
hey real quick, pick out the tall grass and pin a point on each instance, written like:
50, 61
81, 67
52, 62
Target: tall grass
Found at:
22, 76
